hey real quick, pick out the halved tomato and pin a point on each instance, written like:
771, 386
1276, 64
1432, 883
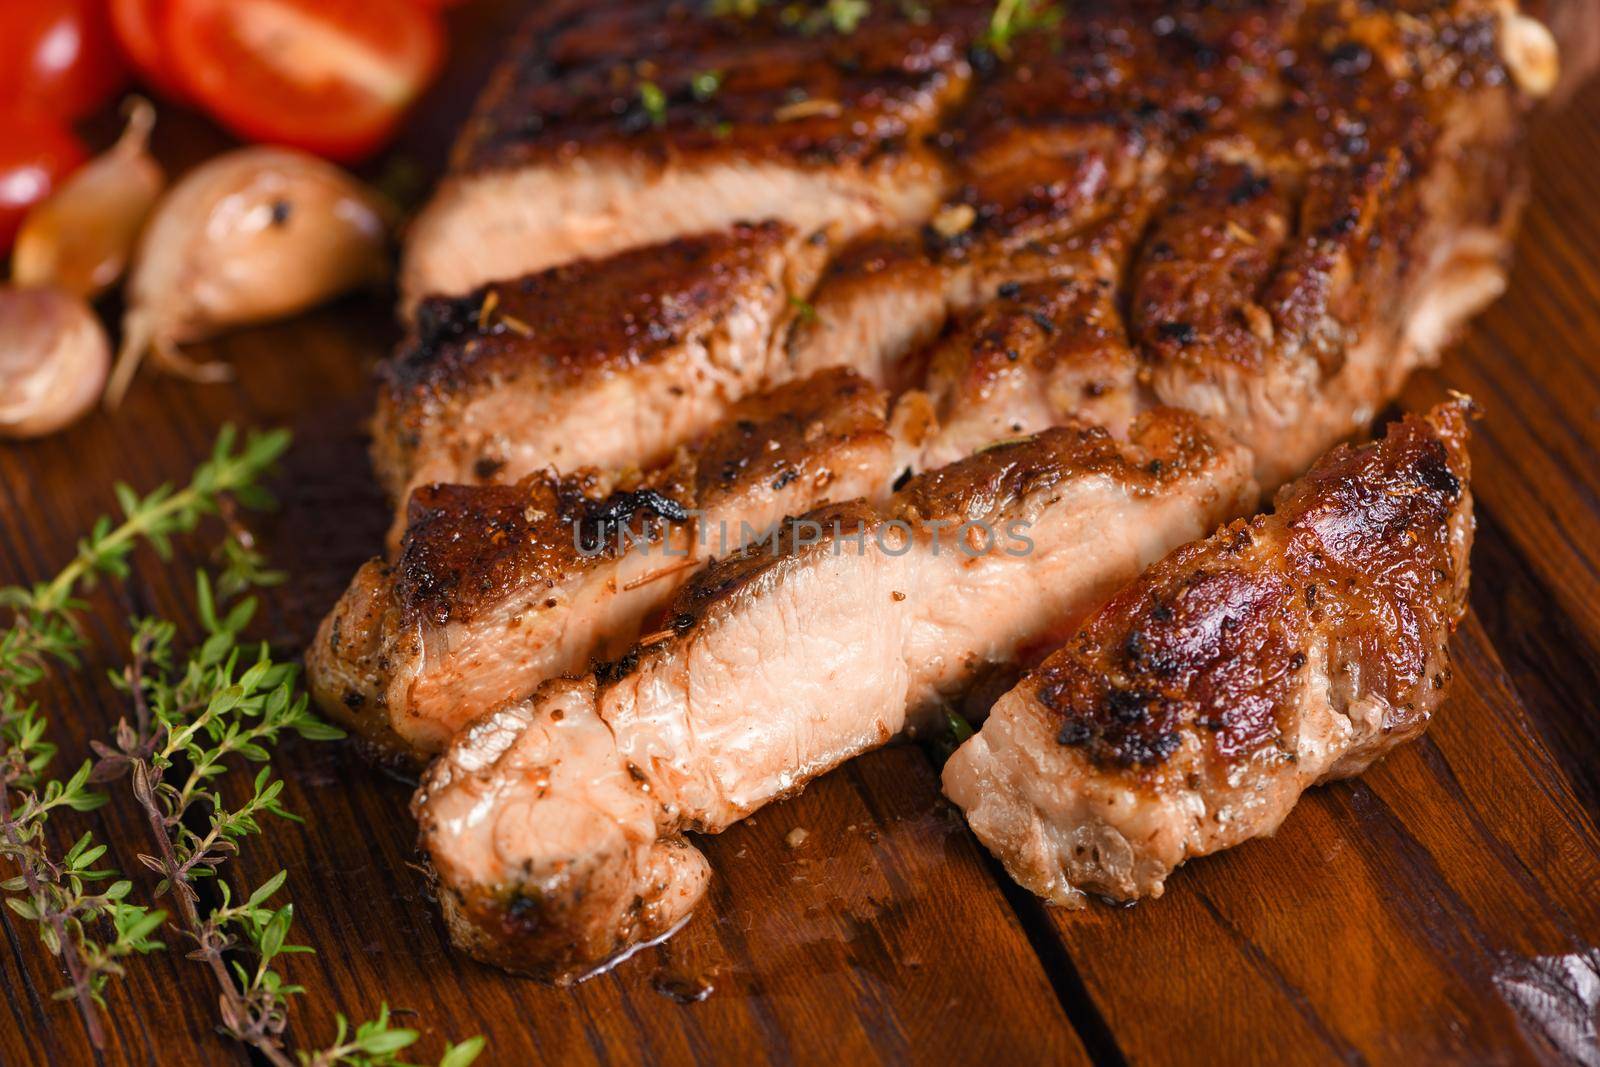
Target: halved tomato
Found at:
139, 25
330, 76
35, 154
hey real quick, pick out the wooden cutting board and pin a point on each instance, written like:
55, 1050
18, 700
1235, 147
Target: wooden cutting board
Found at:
1444, 906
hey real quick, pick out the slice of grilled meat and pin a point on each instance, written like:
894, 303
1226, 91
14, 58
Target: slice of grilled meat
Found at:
628, 122
1190, 712
497, 588
554, 826
603, 363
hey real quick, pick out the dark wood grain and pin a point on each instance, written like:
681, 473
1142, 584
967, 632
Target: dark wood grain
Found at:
1534, 362
1382, 924
1374, 924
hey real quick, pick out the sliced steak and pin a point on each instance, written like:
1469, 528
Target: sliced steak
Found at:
601, 363
554, 825
1190, 712
623, 123
497, 588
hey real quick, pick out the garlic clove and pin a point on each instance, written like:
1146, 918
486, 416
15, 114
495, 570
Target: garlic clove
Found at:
1531, 54
54, 357
250, 236
82, 237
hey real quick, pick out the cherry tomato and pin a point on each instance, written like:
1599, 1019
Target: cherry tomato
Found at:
330, 76
139, 29
57, 57
35, 154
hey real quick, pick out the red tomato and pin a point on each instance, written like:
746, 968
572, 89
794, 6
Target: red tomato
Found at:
330, 76
35, 154
138, 24
57, 57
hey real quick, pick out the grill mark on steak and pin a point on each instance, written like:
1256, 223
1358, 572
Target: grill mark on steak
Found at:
1191, 711
601, 522
1321, 227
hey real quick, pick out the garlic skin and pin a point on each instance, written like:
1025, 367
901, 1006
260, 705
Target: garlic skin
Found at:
82, 237
253, 235
54, 357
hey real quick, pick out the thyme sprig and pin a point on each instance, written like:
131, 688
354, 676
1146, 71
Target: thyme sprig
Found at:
54, 891
195, 718
842, 15
192, 718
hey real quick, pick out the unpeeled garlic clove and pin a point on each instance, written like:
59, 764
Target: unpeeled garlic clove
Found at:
1531, 54
82, 236
54, 357
253, 235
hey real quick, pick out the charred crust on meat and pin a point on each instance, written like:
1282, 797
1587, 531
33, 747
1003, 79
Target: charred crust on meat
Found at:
1210, 642
602, 522
583, 316
1349, 57
616, 670
1182, 333
1251, 187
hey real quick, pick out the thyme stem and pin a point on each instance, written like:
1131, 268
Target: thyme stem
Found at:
205, 936
82, 991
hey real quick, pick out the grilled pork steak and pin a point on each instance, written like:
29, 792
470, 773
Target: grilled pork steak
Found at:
1190, 712
1263, 212
554, 825
497, 588
1039, 354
